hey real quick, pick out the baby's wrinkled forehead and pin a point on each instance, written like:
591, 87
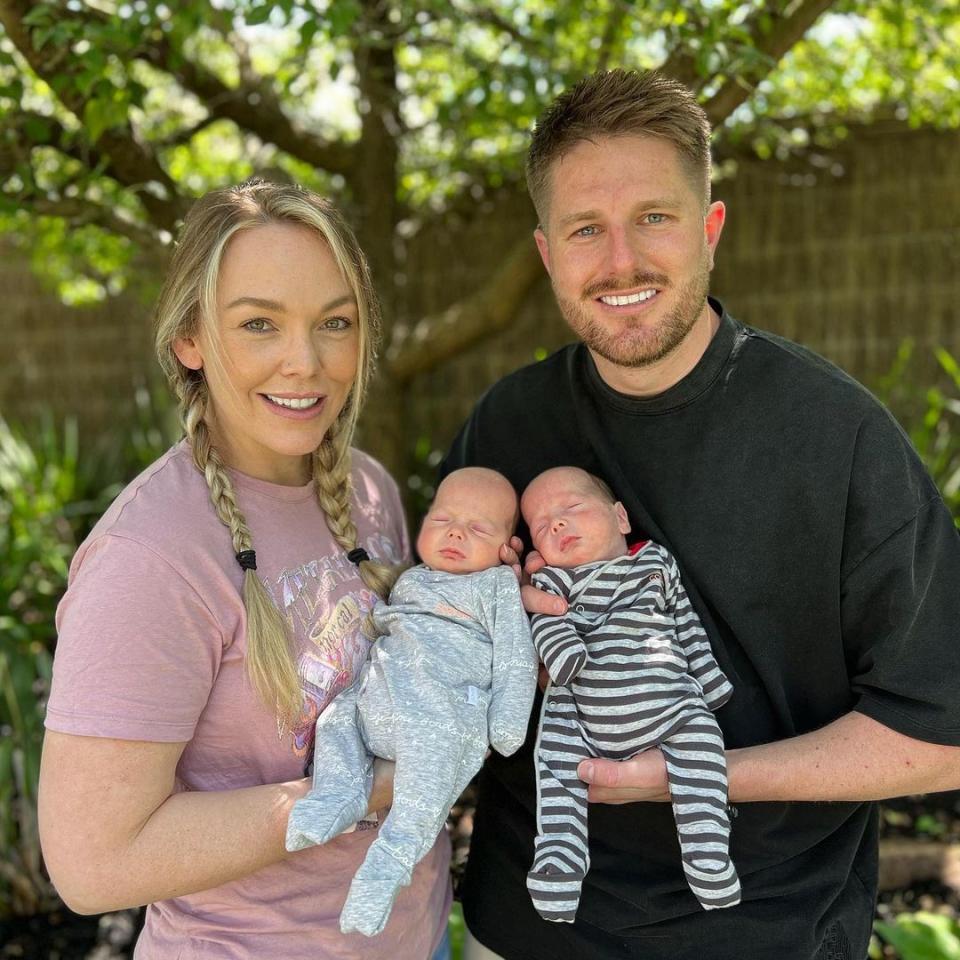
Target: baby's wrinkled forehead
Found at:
554, 487
485, 494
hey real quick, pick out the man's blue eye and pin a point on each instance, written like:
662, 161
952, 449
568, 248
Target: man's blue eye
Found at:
588, 231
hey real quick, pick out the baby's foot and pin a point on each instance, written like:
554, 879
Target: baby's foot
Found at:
315, 820
375, 887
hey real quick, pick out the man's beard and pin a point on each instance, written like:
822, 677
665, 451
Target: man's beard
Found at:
638, 345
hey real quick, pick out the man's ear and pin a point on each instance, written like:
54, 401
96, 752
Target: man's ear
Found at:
623, 522
542, 246
188, 353
713, 226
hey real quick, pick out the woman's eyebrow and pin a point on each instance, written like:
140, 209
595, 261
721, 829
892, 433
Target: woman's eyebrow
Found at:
256, 302
277, 307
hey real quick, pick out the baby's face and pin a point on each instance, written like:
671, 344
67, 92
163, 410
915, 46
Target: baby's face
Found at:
570, 522
470, 519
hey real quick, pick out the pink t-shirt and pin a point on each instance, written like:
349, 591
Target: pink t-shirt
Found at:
151, 647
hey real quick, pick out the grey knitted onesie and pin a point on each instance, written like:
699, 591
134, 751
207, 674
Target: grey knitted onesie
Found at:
454, 674
631, 668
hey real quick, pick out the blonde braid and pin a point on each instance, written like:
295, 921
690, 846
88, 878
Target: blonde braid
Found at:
331, 474
269, 661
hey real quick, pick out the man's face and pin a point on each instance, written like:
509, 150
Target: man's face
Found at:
629, 247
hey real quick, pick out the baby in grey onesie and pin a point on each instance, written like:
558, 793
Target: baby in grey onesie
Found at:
631, 668
453, 674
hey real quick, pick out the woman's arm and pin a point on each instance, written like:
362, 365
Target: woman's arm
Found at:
115, 835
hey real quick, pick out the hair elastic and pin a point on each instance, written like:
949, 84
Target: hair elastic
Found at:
357, 555
247, 559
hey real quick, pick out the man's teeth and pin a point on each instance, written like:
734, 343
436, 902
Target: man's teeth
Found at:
615, 301
303, 404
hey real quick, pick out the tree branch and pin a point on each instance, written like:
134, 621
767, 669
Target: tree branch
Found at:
770, 33
80, 212
252, 106
483, 14
771, 40
434, 340
610, 30
128, 161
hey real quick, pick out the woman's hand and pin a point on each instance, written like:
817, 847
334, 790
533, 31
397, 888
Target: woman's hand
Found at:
381, 793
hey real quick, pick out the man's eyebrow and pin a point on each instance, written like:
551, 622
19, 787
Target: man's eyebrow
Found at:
277, 307
571, 218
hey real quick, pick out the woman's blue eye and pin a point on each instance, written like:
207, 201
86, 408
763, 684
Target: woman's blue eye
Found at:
257, 324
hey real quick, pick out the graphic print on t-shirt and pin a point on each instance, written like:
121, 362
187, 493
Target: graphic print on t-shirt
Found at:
324, 603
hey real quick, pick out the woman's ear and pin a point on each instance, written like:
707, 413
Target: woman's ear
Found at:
623, 523
188, 353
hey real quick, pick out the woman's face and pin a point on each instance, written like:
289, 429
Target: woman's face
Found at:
281, 353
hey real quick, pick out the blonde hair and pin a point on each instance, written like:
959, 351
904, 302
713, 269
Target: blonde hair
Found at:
619, 103
186, 306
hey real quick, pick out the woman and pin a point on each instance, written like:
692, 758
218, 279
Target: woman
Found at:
216, 609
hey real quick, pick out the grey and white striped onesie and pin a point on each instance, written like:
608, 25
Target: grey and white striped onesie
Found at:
630, 668
453, 674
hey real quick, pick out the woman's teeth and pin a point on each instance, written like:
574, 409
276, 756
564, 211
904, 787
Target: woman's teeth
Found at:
303, 404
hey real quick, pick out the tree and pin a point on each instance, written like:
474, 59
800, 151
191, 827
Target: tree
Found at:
114, 115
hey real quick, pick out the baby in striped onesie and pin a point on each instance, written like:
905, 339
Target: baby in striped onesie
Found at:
630, 668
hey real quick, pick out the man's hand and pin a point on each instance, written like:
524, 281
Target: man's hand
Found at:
643, 778
534, 600
510, 556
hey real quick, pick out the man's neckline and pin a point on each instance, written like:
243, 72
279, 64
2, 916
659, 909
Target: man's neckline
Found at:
685, 390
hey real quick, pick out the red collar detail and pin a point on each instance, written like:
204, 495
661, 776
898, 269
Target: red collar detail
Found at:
636, 548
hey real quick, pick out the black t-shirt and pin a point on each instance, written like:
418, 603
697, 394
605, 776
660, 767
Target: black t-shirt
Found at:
825, 567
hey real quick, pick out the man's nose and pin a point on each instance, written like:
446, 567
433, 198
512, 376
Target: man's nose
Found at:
623, 255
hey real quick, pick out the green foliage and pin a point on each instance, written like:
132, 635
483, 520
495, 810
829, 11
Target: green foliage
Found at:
36, 541
50, 496
470, 77
931, 417
422, 479
457, 929
922, 936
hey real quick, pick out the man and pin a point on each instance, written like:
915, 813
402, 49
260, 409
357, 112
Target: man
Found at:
815, 547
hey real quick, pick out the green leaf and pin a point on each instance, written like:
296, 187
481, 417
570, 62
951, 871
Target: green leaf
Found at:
258, 15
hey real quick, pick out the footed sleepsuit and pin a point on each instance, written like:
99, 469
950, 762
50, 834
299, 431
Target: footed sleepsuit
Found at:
453, 674
631, 668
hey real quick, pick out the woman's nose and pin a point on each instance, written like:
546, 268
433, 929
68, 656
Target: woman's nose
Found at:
302, 357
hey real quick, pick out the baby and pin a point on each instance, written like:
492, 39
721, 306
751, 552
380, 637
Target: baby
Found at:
630, 668
454, 674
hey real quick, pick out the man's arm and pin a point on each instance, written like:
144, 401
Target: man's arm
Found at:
853, 758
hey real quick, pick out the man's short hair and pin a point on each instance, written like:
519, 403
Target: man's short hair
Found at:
619, 103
